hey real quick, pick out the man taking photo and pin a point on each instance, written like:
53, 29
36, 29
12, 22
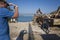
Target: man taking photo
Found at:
4, 14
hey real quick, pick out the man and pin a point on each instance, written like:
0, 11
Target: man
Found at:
4, 14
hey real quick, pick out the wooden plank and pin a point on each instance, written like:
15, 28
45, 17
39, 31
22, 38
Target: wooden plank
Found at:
56, 22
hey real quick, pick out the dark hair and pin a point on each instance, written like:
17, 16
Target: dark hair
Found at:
4, 2
7, 5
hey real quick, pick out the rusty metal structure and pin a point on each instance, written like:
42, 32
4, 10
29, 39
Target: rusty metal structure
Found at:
53, 17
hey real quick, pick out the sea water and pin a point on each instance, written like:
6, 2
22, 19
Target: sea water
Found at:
25, 18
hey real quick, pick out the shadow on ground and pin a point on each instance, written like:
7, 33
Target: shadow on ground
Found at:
21, 35
50, 37
31, 35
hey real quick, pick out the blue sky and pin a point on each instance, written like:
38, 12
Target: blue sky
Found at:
31, 6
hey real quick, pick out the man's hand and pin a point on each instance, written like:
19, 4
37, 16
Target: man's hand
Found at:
16, 10
11, 4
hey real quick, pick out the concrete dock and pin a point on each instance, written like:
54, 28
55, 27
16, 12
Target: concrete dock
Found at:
28, 31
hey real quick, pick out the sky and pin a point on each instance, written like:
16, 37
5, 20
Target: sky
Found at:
31, 6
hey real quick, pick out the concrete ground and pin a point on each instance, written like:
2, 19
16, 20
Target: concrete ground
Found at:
28, 31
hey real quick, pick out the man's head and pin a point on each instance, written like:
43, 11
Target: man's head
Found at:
3, 3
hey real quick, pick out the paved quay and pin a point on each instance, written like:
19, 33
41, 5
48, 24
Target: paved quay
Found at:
28, 31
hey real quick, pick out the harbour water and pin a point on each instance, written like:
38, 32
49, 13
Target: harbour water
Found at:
25, 18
